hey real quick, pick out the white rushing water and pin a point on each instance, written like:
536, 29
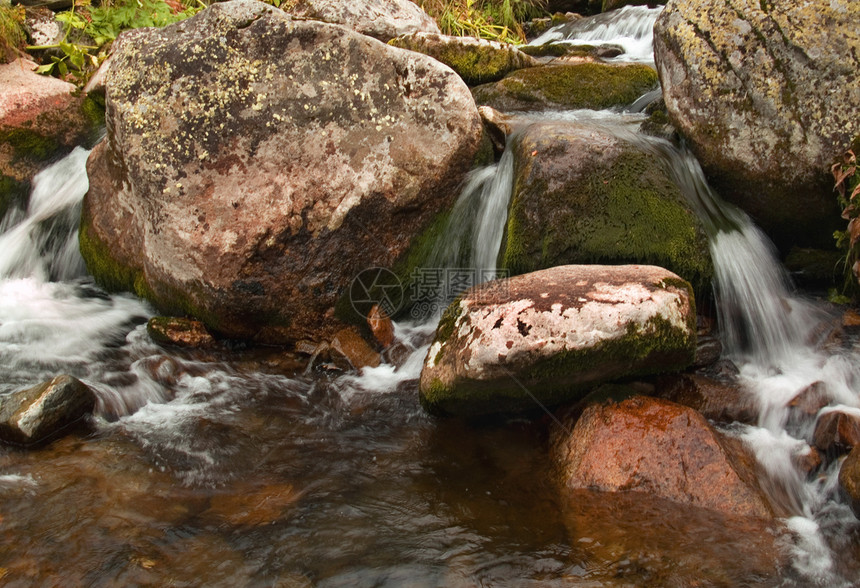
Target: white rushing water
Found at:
630, 27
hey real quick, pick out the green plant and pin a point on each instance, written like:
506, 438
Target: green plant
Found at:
489, 19
847, 188
90, 30
11, 30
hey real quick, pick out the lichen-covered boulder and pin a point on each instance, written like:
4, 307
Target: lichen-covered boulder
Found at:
254, 164
382, 19
661, 448
179, 331
766, 94
477, 61
40, 118
40, 413
557, 87
547, 337
583, 195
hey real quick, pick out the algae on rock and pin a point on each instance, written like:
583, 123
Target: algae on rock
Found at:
584, 196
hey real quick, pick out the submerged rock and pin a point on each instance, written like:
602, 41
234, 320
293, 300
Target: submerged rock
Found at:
660, 448
582, 195
38, 414
550, 336
562, 87
766, 94
382, 19
255, 164
477, 61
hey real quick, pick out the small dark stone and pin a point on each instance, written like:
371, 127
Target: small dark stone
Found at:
178, 331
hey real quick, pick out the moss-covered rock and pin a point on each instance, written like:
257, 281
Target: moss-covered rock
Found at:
548, 337
477, 61
581, 85
584, 196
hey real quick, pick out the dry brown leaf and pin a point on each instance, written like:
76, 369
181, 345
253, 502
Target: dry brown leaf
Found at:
854, 231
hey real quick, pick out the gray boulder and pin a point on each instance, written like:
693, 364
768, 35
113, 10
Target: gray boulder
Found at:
547, 337
381, 19
767, 97
40, 413
255, 164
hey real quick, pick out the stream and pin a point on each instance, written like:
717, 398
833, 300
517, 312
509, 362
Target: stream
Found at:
234, 467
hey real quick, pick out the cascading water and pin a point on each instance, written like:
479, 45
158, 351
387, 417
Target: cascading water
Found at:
631, 28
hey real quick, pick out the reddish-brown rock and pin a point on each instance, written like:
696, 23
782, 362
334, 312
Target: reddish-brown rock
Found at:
380, 325
849, 479
661, 448
716, 400
179, 331
836, 432
350, 351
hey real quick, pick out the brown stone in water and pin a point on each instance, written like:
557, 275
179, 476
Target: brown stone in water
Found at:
720, 401
380, 325
179, 331
350, 351
809, 401
849, 479
661, 448
836, 433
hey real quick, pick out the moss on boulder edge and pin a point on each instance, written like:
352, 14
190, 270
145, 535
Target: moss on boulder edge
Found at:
582, 85
582, 195
549, 337
477, 61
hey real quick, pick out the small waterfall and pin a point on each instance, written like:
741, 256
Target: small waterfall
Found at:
631, 27
52, 320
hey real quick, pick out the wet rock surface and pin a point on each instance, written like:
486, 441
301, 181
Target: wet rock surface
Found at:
550, 336
43, 412
311, 153
660, 448
179, 331
721, 401
766, 94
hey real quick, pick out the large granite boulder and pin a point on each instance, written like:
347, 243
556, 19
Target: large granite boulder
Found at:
40, 413
584, 195
766, 94
661, 448
382, 19
564, 87
478, 61
254, 164
543, 338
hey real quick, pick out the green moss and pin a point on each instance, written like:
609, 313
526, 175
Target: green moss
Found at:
115, 276
630, 212
12, 194
656, 347
29, 144
585, 85
546, 50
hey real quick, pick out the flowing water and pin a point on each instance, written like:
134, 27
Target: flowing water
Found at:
233, 467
